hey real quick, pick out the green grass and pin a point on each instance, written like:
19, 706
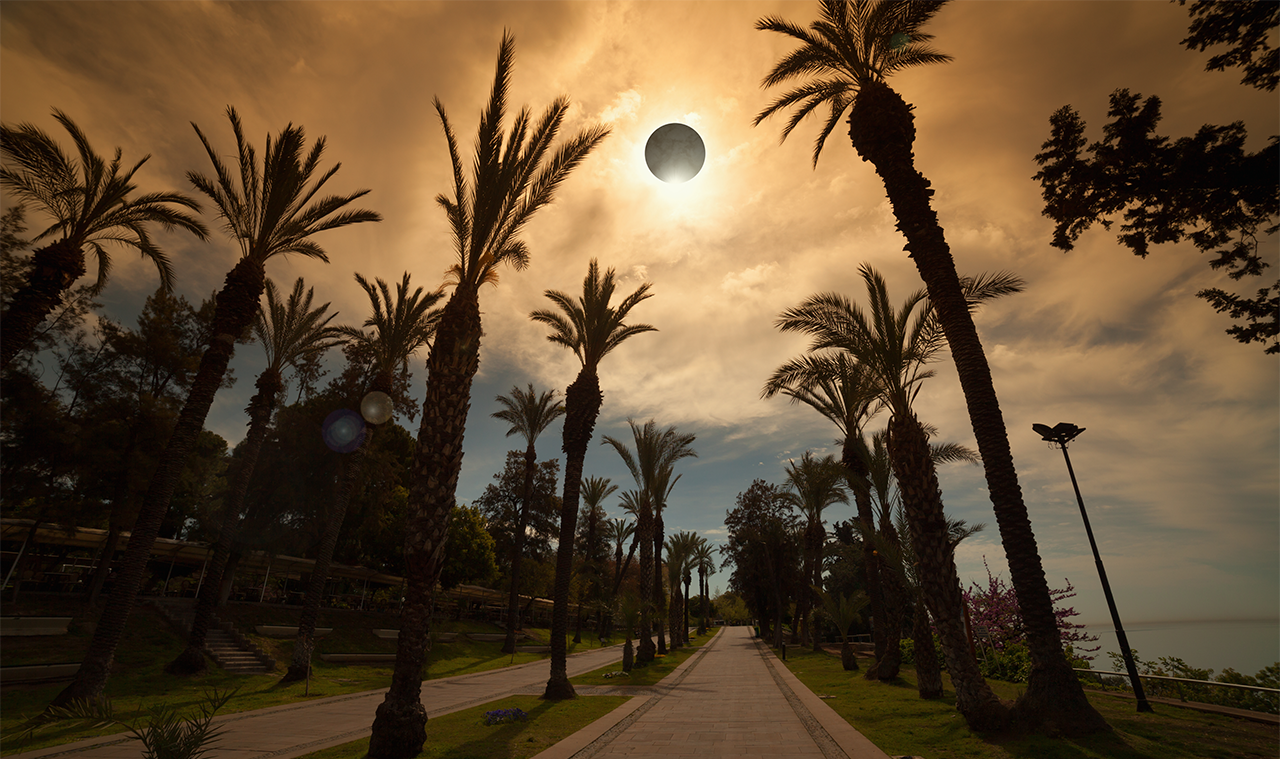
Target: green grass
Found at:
463, 735
149, 643
893, 717
649, 674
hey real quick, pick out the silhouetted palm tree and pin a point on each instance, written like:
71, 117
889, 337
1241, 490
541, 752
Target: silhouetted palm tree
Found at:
514, 175
271, 209
399, 326
813, 485
680, 549
844, 392
594, 491
844, 611
704, 561
90, 205
529, 413
591, 328
651, 466
894, 344
290, 332
620, 531
845, 58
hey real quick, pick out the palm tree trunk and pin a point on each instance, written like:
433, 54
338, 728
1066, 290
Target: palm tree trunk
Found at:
192, 659
882, 130
399, 729
631, 554
517, 551
702, 591
237, 304
659, 598
54, 268
103, 566
645, 649
582, 401
674, 605
928, 673
918, 482
684, 617
349, 475
870, 560
894, 597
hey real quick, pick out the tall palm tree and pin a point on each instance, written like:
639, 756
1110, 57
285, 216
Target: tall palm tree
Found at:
618, 532
529, 413
591, 328
651, 466
704, 560
844, 392
398, 326
291, 332
895, 345
843, 61
594, 491
514, 175
90, 205
680, 548
813, 485
271, 209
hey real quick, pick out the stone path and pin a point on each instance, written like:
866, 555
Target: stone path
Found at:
730, 699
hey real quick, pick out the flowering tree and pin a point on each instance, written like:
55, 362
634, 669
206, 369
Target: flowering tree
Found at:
995, 607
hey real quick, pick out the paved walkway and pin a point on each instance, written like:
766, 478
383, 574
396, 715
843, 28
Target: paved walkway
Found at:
727, 700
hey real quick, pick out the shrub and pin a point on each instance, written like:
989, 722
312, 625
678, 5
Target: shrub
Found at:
1012, 664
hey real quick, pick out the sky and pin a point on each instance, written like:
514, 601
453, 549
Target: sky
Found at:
1180, 464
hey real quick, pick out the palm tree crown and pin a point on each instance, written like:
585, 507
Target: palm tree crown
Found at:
654, 459
854, 43
400, 325
89, 199
269, 208
291, 331
510, 181
528, 412
589, 326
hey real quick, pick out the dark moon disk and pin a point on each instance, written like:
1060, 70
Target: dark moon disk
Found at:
675, 153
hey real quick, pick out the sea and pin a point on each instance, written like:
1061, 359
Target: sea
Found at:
1245, 645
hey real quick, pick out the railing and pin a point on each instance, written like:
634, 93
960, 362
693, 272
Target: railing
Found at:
1180, 679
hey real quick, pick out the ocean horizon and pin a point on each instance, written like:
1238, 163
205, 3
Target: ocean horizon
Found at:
1245, 645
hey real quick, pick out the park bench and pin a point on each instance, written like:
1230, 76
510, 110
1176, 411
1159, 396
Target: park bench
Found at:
395, 635
358, 658
34, 625
495, 637
288, 631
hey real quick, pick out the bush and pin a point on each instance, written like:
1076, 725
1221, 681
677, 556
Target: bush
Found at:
908, 648
1012, 665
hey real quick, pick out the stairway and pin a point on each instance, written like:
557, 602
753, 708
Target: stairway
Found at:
223, 643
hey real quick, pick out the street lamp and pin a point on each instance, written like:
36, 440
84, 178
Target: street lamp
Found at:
1061, 434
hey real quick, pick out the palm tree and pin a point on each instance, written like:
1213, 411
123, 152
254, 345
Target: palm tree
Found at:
270, 209
704, 560
90, 205
680, 555
618, 532
814, 484
529, 413
894, 347
513, 177
594, 491
591, 328
651, 466
845, 58
400, 325
843, 611
290, 332
844, 392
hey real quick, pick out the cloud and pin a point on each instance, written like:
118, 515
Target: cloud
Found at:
623, 107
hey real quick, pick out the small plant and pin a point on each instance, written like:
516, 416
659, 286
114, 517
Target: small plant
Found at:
609, 675
501, 716
165, 736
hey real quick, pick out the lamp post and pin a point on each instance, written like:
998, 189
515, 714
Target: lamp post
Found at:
1061, 434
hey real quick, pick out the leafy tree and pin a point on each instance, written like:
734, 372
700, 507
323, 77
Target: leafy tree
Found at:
592, 328
529, 413
90, 204
514, 176
1244, 24
274, 211
766, 549
846, 59
1205, 189
469, 555
501, 503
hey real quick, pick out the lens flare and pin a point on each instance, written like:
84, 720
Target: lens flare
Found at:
675, 153
343, 430
376, 407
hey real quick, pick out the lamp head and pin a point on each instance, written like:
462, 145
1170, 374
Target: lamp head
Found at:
1061, 433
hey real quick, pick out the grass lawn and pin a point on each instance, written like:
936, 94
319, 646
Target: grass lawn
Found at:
149, 643
893, 717
651, 673
463, 735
